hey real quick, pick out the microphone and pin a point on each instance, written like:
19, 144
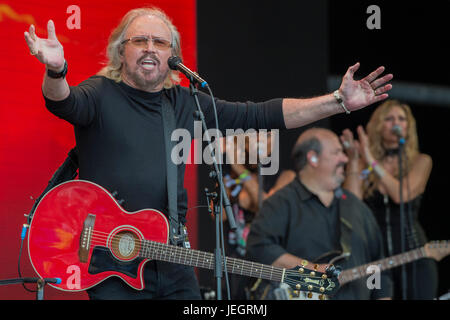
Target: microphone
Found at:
175, 63
397, 130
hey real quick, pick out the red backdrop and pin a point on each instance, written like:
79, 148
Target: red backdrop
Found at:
33, 142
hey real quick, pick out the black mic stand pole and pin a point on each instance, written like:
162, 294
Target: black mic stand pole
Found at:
401, 142
39, 282
226, 201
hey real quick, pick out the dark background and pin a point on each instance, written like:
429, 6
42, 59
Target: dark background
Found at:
258, 50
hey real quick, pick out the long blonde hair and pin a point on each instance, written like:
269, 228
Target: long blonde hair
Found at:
374, 128
113, 69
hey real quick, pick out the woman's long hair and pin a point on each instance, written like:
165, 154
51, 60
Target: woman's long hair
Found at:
374, 128
113, 69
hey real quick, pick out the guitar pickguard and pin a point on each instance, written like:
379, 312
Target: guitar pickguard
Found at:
102, 260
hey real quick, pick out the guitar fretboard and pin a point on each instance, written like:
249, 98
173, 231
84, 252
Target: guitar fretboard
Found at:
169, 253
383, 264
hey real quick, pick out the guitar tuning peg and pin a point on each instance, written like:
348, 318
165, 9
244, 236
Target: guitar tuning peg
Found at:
309, 295
322, 297
296, 293
316, 267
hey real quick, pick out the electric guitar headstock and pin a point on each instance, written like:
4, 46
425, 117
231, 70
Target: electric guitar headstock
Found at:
313, 281
437, 249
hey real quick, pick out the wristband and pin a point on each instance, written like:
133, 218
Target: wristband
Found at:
57, 75
243, 174
340, 101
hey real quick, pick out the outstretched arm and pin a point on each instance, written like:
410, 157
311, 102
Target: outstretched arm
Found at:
354, 94
49, 52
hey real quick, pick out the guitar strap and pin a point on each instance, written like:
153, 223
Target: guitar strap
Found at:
169, 124
68, 171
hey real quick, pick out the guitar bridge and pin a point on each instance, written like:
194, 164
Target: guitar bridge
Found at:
85, 238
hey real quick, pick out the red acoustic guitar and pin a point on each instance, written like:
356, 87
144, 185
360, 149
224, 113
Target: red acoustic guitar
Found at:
80, 234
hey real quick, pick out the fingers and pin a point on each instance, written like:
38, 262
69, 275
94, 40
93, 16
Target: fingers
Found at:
348, 134
361, 134
31, 40
351, 70
51, 30
346, 138
33, 33
379, 82
380, 97
383, 89
373, 75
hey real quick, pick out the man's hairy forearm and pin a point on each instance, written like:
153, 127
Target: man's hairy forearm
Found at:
55, 89
300, 112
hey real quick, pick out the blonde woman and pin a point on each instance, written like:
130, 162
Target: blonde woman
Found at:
373, 175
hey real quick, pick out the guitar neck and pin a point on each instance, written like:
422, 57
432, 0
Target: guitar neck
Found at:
384, 264
195, 258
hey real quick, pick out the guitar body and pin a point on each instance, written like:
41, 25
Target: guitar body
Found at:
80, 234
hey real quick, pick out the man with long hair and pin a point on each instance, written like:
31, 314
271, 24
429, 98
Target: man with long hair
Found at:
119, 128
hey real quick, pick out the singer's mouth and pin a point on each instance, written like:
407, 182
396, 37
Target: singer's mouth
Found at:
148, 63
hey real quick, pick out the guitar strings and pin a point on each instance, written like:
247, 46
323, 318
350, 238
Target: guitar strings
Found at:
101, 238
179, 256
180, 251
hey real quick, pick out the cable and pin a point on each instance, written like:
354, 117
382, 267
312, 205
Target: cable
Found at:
219, 165
22, 237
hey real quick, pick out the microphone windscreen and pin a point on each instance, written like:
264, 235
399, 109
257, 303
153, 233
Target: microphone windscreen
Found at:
397, 130
173, 62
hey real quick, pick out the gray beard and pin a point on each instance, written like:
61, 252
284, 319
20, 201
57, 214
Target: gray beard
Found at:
140, 83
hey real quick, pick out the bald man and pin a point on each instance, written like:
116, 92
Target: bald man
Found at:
313, 219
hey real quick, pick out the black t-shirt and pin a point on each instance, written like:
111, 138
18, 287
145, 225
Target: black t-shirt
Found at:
294, 220
120, 139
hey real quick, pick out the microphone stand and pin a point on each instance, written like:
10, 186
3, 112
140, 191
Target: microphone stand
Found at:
39, 282
217, 173
401, 142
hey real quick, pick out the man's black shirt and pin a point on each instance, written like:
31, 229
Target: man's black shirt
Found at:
119, 135
294, 220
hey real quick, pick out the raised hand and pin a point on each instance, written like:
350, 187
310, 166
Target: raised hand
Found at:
48, 51
351, 146
364, 145
361, 93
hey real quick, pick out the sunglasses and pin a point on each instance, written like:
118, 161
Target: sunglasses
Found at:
142, 42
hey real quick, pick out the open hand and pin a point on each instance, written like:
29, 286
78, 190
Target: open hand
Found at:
365, 145
351, 146
361, 93
48, 51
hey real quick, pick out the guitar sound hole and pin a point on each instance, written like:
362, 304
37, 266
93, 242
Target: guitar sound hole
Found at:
125, 245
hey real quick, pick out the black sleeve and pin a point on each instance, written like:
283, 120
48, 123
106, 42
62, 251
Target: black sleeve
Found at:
265, 242
240, 115
80, 107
